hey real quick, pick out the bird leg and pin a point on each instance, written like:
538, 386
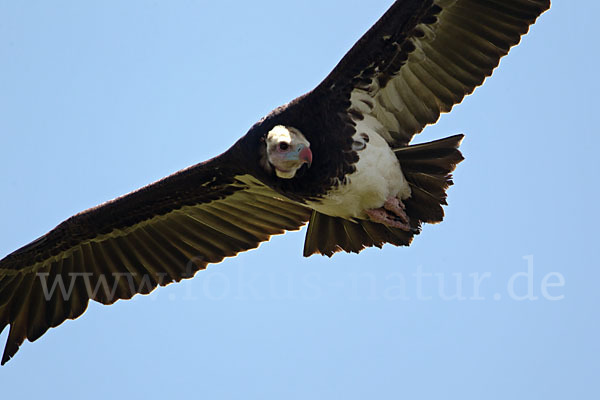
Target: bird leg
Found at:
396, 206
392, 214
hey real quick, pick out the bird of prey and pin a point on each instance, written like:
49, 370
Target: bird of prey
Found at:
339, 157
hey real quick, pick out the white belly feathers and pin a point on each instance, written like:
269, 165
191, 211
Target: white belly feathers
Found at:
377, 177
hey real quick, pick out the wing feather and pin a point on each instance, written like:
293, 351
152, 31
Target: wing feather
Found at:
424, 56
161, 234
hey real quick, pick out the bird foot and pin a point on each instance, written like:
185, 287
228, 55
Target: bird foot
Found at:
392, 214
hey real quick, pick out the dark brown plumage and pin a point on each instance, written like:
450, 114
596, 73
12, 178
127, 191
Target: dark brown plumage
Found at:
417, 61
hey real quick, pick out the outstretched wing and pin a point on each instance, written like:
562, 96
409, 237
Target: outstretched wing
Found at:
419, 60
423, 56
157, 235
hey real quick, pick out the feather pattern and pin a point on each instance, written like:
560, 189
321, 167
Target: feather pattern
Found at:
36, 294
435, 52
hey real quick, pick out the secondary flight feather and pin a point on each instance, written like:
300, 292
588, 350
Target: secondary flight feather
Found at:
338, 157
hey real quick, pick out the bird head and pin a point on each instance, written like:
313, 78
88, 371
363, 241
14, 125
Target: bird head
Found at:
287, 150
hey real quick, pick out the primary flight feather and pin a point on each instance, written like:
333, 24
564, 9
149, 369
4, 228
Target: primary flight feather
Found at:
338, 157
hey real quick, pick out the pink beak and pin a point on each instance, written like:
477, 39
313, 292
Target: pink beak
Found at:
306, 155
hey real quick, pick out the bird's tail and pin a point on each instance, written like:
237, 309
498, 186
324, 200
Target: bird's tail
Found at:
428, 169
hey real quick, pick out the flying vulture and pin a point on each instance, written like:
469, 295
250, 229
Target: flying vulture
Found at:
339, 157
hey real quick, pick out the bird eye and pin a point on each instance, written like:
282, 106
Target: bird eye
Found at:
283, 146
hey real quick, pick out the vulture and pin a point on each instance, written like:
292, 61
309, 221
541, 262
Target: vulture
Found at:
339, 158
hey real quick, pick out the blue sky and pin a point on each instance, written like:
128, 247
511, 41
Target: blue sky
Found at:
100, 98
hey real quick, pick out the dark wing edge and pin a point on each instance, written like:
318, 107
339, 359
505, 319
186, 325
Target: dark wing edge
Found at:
424, 56
428, 170
160, 234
